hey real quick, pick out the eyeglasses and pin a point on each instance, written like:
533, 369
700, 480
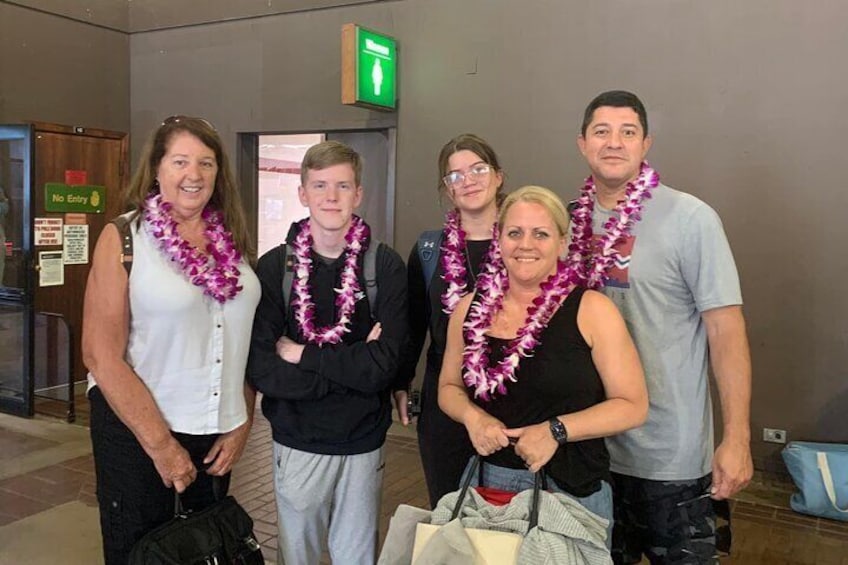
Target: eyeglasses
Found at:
456, 179
180, 118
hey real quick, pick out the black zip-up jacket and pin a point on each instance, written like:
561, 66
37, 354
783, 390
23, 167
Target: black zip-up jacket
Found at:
336, 401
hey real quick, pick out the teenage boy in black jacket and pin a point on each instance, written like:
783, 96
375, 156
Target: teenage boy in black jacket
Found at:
325, 363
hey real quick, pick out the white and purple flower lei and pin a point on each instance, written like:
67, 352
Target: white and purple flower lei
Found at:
578, 268
487, 381
594, 267
218, 272
304, 307
454, 271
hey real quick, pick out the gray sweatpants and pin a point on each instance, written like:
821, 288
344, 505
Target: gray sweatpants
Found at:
328, 501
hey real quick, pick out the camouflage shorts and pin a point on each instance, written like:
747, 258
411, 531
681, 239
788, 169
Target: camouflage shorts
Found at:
667, 521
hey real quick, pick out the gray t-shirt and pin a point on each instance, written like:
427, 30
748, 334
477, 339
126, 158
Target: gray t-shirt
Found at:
676, 264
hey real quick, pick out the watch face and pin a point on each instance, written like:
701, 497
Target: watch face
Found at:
558, 431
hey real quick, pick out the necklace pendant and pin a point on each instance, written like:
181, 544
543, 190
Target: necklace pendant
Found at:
455, 261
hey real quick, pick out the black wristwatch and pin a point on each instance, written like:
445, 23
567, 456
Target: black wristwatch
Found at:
558, 431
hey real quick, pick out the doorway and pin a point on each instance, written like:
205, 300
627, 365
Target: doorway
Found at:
269, 174
65, 184
16, 313
278, 205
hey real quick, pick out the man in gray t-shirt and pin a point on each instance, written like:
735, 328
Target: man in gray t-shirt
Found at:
675, 282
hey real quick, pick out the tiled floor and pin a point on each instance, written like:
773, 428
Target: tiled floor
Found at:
48, 463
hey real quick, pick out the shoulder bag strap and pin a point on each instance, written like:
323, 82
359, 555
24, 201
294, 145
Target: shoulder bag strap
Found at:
429, 251
827, 479
123, 222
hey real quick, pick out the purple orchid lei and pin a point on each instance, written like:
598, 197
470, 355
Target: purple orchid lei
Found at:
217, 273
487, 381
453, 263
304, 307
594, 268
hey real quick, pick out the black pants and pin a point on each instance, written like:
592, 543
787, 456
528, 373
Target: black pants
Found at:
444, 445
132, 498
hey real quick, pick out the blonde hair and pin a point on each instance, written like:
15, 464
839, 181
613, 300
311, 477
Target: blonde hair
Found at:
329, 153
545, 197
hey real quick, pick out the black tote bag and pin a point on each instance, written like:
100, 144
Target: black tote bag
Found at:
217, 535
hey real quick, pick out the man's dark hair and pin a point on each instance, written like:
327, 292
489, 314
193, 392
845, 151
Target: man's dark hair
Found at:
616, 99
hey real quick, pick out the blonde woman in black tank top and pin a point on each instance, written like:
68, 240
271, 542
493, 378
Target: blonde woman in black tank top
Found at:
581, 383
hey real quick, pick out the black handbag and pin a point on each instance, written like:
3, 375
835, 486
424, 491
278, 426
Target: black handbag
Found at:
217, 535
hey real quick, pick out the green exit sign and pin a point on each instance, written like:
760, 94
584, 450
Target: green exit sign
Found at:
369, 68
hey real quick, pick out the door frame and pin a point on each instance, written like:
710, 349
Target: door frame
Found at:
26, 406
25, 297
247, 172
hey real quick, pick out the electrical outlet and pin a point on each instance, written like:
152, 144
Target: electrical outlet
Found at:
774, 436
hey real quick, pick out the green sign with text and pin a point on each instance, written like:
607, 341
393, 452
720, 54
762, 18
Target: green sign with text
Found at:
376, 68
60, 197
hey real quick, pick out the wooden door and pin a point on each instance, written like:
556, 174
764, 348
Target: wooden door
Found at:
94, 158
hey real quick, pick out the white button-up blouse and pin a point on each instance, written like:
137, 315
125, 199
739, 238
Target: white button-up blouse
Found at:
190, 350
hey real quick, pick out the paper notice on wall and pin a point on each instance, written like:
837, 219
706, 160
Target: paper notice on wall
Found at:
51, 270
48, 231
76, 245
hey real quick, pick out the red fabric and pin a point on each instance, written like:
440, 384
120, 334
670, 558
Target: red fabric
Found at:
495, 496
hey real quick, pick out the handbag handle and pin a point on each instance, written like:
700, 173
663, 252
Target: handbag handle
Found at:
217, 494
827, 479
464, 488
534, 509
540, 483
178, 506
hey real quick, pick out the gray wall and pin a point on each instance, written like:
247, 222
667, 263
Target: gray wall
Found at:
274, 74
66, 71
746, 101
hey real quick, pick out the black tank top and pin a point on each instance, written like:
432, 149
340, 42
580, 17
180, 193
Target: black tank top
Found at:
559, 378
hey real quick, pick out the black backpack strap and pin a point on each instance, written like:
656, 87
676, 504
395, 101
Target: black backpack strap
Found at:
123, 222
288, 273
429, 251
369, 272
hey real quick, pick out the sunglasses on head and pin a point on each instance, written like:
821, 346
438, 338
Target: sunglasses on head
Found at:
182, 119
